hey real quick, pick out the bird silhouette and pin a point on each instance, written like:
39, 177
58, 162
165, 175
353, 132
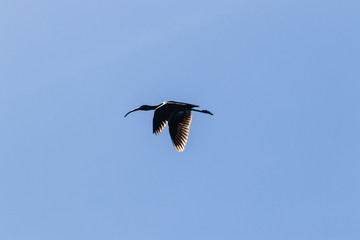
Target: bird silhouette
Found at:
177, 115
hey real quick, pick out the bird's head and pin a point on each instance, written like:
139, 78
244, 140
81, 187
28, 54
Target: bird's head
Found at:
142, 107
146, 107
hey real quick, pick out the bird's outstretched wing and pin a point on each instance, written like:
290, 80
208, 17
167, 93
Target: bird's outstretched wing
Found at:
179, 125
161, 117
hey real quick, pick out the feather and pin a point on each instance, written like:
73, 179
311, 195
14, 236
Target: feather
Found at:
179, 125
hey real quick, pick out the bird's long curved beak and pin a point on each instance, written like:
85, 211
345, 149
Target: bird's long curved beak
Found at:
132, 111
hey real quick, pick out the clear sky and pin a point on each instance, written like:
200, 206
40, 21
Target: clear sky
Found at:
280, 158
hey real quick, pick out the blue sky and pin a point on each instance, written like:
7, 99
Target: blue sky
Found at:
278, 160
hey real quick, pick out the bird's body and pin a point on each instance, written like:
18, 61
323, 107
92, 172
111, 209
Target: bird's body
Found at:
177, 115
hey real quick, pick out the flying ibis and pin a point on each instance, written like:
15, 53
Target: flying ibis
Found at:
177, 115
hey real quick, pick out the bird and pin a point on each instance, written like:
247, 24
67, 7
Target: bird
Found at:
177, 115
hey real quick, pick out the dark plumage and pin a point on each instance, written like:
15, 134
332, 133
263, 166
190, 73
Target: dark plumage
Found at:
177, 115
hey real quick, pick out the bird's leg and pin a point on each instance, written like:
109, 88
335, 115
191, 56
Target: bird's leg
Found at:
203, 111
